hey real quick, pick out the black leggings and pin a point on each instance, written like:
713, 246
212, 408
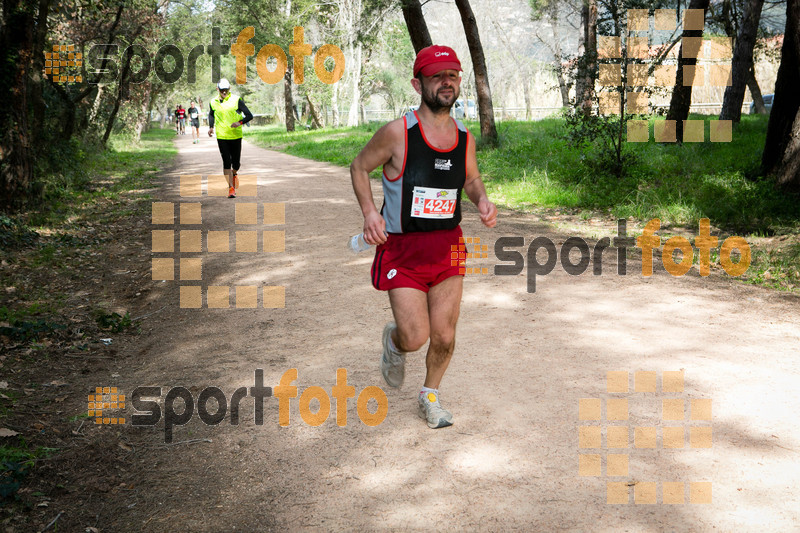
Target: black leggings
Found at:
231, 150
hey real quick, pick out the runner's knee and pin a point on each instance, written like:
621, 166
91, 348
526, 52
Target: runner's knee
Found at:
444, 341
411, 341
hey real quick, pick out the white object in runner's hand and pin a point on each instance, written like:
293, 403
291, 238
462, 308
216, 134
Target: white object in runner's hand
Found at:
358, 244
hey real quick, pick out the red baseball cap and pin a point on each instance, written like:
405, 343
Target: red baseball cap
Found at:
436, 58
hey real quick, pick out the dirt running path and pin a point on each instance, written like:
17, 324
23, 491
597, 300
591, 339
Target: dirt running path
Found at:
522, 363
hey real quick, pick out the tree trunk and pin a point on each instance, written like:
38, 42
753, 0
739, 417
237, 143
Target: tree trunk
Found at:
485, 107
143, 119
755, 92
16, 48
580, 80
587, 64
96, 105
121, 88
782, 146
36, 79
526, 95
315, 122
150, 104
280, 110
355, 99
417, 28
681, 99
742, 62
288, 99
335, 106
558, 56
112, 34
522, 75
68, 113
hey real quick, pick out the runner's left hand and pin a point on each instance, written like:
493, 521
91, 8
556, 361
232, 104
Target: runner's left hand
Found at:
236, 124
488, 213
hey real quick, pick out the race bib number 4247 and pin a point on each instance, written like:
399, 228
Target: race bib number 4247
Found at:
433, 203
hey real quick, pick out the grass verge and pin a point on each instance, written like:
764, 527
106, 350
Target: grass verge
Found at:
536, 168
50, 254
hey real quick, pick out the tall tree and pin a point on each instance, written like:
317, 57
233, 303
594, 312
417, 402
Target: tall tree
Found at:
274, 22
556, 12
485, 107
417, 28
37, 78
742, 62
522, 71
587, 63
727, 16
16, 43
356, 25
781, 157
350, 13
288, 95
681, 99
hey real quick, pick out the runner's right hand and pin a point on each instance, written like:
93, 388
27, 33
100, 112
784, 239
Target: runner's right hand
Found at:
374, 229
210, 132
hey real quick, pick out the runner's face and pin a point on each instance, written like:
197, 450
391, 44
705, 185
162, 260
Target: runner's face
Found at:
223, 93
440, 91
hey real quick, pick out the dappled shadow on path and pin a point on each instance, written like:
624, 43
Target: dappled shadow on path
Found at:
523, 361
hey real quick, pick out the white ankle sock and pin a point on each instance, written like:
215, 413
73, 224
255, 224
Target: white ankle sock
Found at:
425, 390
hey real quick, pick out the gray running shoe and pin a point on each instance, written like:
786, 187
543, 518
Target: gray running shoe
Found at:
431, 410
393, 367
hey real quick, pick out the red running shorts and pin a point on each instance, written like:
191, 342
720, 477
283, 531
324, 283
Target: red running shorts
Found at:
418, 260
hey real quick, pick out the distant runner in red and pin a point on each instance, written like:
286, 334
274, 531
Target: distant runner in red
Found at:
180, 113
428, 158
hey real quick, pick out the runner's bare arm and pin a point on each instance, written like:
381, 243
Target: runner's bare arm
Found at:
475, 189
379, 151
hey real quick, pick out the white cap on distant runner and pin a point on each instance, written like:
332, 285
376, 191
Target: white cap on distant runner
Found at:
223, 84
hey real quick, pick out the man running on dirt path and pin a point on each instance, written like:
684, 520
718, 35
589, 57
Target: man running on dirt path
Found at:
194, 121
227, 108
181, 114
427, 158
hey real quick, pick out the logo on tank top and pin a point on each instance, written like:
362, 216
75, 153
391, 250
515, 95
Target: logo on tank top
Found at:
442, 164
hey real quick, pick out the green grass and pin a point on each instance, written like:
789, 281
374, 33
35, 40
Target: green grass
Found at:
91, 189
338, 146
16, 461
777, 268
93, 174
536, 167
52, 240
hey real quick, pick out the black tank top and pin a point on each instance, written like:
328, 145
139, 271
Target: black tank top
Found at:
427, 194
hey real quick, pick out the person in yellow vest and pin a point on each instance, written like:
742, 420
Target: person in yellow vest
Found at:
226, 112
